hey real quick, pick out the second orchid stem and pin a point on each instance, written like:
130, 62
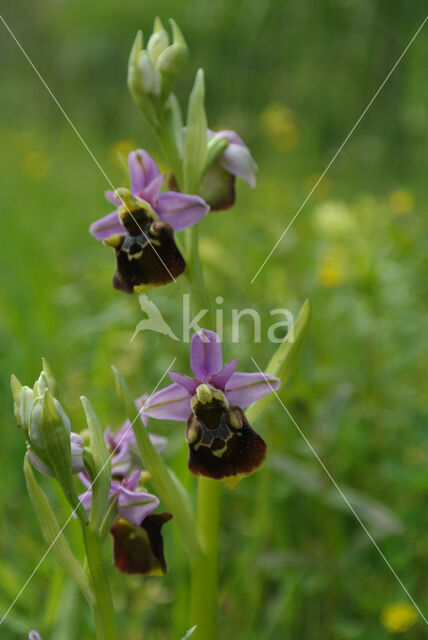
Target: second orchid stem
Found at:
103, 611
204, 589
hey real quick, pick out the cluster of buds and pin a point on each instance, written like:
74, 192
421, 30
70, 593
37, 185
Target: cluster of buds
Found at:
153, 72
52, 447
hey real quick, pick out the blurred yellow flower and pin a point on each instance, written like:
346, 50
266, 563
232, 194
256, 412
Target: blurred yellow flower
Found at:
331, 271
399, 617
277, 121
36, 165
322, 189
334, 219
400, 202
121, 148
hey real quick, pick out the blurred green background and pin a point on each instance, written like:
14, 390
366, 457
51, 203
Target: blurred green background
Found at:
292, 78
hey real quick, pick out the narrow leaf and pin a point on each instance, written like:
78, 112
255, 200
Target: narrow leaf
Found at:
52, 532
283, 361
195, 147
102, 466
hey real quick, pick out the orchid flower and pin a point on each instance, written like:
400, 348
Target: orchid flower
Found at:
221, 442
141, 229
236, 161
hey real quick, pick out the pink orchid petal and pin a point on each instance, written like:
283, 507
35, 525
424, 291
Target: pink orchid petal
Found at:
150, 192
190, 384
109, 195
205, 354
220, 379
231, 136
238, 161
171, 403
142, 169
243, 389
180, 210
159, 442
140, 402
132, 481
107, 226
134, 506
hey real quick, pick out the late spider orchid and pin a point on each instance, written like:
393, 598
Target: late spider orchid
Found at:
222, 444
141, 229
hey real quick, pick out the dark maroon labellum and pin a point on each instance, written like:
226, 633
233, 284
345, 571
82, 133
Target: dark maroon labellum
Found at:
146, 255
139, 550
222, 444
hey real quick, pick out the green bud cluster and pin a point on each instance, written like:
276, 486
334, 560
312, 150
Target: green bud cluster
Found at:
46, 428
153, 72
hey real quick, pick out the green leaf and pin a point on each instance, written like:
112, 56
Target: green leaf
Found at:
195, 145
166, 484
101, 482
174, 121
53, 534
283, 361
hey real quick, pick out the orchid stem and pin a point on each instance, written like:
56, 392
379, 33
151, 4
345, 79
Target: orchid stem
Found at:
204, 574
204, 588
196, 273
103, 611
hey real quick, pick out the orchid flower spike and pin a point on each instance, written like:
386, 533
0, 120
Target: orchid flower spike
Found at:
141, 229
222, 444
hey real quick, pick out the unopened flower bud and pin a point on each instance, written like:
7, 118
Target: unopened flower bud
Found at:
16, 387
76, 443
46, 380
76, 446
26, 398
149, 77
158, 42
50, 434
171, 61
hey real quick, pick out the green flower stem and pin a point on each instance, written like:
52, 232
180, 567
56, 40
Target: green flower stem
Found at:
204, 576
203, 602
196, 275
102, 608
